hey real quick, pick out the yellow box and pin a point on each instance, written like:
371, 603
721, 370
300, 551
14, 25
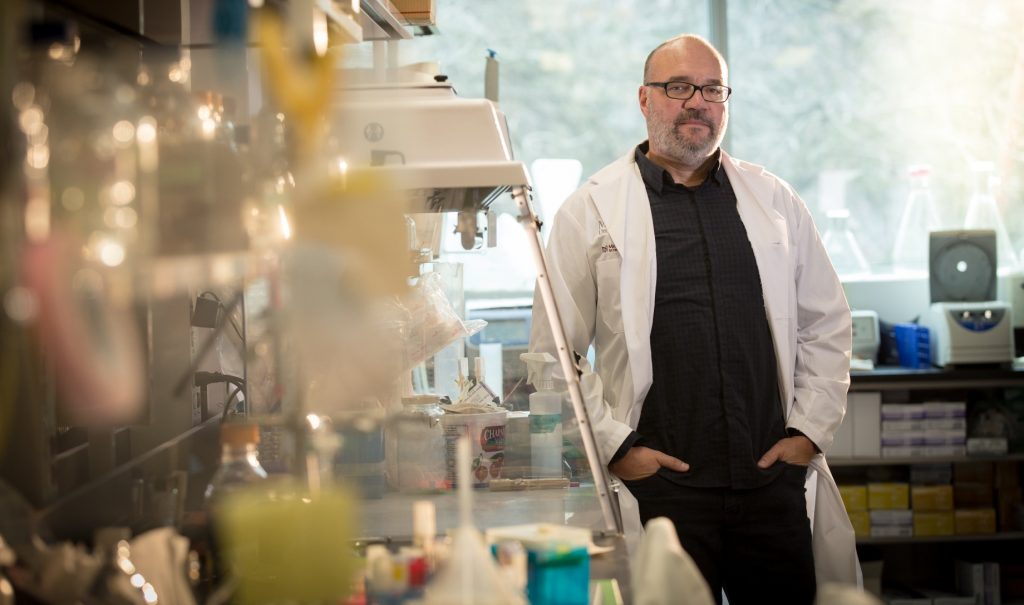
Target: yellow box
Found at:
975, 520
855, 497
934, 523
884, 496
861, 521
931, 497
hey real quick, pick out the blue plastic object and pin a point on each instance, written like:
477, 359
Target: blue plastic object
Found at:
913, 345
558, 576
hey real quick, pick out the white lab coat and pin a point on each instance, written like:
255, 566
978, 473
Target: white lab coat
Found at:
602, 264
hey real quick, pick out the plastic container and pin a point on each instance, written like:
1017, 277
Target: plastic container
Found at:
842, 247
545, 417
913, 345
420, 445
239, 460
919, 217
486, 434
360, 461
983, 213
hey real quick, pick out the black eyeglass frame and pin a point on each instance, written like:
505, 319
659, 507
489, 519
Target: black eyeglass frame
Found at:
664, 86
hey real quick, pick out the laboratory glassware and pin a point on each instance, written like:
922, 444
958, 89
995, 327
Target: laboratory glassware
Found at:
983, 213
841, 245
919, 217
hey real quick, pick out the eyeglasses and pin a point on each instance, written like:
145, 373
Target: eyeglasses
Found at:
712, 93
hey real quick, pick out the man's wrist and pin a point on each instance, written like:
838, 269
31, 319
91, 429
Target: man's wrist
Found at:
797, 433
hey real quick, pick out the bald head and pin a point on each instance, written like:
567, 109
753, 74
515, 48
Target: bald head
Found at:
683, 42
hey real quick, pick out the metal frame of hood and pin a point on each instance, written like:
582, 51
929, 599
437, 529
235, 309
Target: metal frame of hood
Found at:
428, 182
609, 501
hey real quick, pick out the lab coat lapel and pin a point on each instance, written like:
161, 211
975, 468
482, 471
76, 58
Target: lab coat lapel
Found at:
767, 231
769, 239
626, 213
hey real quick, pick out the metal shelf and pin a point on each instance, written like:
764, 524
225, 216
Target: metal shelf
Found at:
836, 462
891, 378
380, 22
999, 536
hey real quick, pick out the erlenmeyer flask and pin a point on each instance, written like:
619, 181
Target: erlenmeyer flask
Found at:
983, 213
842, 246
910, 250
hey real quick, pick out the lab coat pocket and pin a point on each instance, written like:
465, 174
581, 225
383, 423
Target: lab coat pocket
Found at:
609, 292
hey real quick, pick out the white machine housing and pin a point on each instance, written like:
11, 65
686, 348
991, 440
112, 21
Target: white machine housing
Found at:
866, 334
970, 332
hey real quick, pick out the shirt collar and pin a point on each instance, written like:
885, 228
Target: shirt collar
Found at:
657, 177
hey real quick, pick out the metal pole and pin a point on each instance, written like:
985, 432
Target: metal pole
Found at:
718, 15
609, 504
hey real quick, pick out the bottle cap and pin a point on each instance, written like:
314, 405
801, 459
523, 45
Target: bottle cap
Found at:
239, 433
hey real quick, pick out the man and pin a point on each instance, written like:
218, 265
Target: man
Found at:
722, 340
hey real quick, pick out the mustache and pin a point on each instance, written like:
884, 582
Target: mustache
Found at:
693, 114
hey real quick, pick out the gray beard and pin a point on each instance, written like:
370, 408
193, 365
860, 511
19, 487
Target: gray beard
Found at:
669, 143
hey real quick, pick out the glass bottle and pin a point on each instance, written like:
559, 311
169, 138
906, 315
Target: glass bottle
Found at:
841, 245
919, 217
200, 171
239, 460
983, 213
420, 444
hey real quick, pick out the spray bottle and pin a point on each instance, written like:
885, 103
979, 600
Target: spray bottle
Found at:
545, 417
491, 76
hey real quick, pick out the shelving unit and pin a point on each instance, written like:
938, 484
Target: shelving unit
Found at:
998, 536
928, 561
902, 461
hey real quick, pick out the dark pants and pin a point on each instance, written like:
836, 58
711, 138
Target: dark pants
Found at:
755, 544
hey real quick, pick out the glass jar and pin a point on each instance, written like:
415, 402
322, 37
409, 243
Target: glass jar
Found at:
420, 444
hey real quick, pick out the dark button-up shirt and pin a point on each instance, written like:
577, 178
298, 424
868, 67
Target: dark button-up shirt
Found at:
714, 400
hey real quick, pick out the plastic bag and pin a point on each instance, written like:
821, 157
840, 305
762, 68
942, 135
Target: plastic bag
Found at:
429, 323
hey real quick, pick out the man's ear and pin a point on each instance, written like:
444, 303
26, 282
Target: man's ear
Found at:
644, 99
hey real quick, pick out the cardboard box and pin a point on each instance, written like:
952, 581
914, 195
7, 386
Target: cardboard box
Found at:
867, 424
842, 442
902, 411
1007, 474
973, 495
934, 523
946, 424
945, 409
416, 12
1007, 500
973, 521
896, 427
931, 474
855, 497
882, 518
907, 439
861, 521
882, 496
973, 472
892, 531
931, 497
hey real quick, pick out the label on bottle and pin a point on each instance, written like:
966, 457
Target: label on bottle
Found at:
544, 423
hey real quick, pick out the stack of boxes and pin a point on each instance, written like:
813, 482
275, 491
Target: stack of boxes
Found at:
934, 428
931, 497
966, 498
889, 507
874, 429
987, 495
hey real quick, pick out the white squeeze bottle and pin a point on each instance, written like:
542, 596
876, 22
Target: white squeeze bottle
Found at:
545, 417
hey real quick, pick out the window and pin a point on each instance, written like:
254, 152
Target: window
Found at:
827, 92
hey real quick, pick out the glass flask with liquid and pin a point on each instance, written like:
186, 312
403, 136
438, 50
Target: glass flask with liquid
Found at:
919, 217
983, 213
841, 245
